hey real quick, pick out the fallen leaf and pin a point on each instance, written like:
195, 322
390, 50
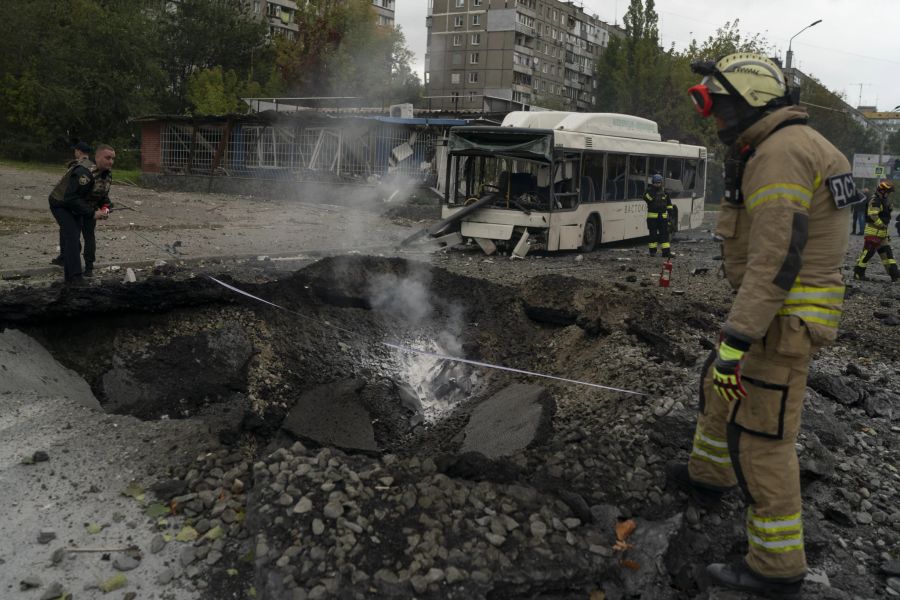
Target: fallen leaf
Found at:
214, 533
622, 546
598, 595
156, 510
624, 529
114, 583
94, 528
630, 564
135, 491
187, 534
232, 572
252, 592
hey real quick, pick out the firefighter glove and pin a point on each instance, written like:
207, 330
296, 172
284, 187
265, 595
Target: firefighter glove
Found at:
727, 370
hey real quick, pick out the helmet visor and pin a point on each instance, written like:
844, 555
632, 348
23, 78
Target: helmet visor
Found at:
702, 99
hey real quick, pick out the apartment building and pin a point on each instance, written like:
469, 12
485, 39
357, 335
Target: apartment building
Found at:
502, 55
280, 16
385, 10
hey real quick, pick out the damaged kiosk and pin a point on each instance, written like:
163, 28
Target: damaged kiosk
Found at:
565, 181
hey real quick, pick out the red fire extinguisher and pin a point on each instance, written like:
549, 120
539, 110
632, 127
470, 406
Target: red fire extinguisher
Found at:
665, 276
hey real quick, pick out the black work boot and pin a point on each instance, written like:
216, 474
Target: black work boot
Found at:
894, 272
88, 270
653, 252
58, 261
859, 273
703, 494
738, 576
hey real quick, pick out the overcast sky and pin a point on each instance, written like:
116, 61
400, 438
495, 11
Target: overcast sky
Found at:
856, 42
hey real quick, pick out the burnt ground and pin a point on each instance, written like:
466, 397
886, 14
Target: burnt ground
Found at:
416, 518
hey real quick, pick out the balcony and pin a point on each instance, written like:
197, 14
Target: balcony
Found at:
525, 29
527, 70
523, 50
518, 87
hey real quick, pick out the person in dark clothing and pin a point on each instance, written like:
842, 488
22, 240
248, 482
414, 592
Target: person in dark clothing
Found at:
658, 206
81, 156
72, 202
99, 196
877, 240
859, 213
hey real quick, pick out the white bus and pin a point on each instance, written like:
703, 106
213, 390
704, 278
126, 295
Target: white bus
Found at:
567, 180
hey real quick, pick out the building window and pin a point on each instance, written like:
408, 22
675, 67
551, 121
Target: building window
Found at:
476, 39
476, 19
476, 2
460, 3
474, 58
457, 39
454, 78
473, 76
472, 95
457, 21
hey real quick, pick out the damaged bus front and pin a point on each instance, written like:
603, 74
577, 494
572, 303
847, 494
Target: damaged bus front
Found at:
565, 181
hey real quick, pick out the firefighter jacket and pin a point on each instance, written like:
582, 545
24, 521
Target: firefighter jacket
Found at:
658, 203
784, 237
73, 192
878, 216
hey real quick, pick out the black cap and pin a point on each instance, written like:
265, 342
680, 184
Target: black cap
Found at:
83, 146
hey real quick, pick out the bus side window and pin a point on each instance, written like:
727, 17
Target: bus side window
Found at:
615, 177
637, 178
592, 168
689, 177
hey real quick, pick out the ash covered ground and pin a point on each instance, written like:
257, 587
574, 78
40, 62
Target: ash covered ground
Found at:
281, 453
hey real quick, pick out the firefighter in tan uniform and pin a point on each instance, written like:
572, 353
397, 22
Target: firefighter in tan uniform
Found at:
878, 218
785, 233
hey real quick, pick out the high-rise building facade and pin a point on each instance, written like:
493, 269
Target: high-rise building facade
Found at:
280, 16
501, 55
385, 10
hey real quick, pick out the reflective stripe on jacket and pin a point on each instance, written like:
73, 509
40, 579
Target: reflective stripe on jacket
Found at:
658, 204
878, 215
784, 247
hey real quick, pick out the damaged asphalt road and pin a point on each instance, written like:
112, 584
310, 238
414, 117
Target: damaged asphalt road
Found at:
397, 505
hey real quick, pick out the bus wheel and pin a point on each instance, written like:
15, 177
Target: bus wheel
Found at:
673, 220
591, 235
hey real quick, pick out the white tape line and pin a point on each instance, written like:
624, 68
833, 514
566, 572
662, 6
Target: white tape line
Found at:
510, 369
440, 356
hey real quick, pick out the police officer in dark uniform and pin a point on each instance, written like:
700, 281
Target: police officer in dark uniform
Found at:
99, 196
82, 153
658, 206
72, 202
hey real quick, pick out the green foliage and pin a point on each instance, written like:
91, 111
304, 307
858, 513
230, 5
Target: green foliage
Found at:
212, 92
892, 146
197, 35
636, 76
831, 118
340, 50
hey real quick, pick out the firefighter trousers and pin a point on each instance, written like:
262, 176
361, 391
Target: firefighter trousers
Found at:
882, 246
751, 443
658, 229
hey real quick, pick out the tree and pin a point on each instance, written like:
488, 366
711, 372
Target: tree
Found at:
833, 119
195, 35
74, 68
212, 92
340, 50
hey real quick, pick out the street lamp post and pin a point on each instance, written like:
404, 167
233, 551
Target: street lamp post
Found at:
790, 53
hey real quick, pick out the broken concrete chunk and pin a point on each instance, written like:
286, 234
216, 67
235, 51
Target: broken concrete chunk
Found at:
511, 420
